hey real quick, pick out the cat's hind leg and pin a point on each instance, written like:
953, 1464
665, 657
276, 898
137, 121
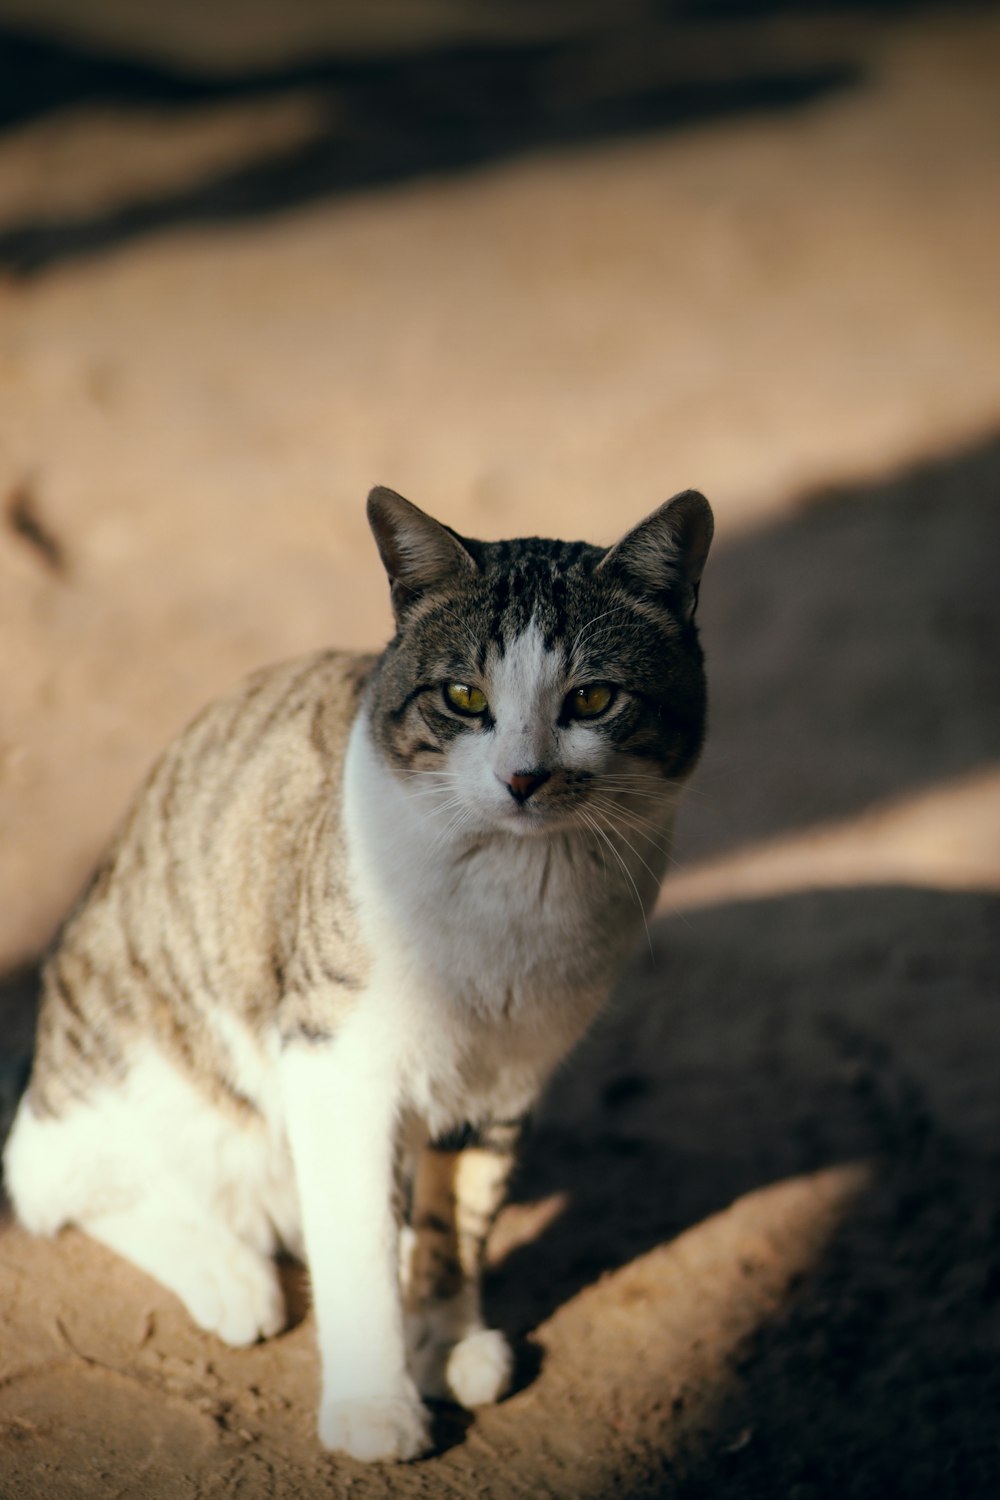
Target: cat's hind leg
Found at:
149, 1168
457, 1195
228, 1287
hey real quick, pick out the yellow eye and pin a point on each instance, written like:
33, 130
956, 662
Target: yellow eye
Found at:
587, 702
468, 700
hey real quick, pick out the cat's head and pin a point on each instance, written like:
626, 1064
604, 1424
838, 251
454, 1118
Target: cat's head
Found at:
532, 683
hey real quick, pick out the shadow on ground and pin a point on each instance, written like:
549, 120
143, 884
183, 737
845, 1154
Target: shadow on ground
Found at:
389, 115
848, 652
765, 1041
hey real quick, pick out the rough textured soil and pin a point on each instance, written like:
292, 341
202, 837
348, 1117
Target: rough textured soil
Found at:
755, 1244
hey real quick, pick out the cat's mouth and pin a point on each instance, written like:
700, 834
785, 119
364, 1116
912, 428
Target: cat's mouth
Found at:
537, 815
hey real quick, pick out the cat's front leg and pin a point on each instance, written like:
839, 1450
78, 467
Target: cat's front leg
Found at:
458, 1191
341, 1108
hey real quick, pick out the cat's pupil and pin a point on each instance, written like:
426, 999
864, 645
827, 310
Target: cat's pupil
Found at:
587, 702
467, 699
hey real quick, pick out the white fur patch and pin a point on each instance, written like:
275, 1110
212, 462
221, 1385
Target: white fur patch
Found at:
153, 1132
500, 946
156, 1172
480, 1368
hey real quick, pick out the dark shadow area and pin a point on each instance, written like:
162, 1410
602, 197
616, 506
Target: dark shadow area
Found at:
764, 1040
19, 996
848, 653
295, 1288
881, 1375
767, 1041
19, 993
392, 115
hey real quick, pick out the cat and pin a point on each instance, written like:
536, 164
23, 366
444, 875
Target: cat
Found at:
360, 910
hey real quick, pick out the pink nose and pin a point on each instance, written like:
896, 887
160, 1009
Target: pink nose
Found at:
522, 783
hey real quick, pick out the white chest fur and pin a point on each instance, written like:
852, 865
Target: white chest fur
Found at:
492, 950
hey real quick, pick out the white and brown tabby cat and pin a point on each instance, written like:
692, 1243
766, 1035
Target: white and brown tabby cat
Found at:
361, 908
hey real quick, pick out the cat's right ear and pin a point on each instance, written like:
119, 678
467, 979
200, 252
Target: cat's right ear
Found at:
417, 552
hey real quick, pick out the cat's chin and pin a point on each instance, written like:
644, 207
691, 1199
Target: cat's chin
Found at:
530, 822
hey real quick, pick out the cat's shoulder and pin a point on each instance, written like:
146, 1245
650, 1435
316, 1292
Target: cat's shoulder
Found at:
317, 694
274, 737
335, 677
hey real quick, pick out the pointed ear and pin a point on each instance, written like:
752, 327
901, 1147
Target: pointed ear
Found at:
666, 552
417, 552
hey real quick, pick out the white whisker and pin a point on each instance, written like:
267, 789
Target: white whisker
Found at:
611, 828
626, 872
588, 828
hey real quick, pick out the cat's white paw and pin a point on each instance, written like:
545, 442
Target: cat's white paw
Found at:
240, 1299
393, 1429
228, 1287
479, 1368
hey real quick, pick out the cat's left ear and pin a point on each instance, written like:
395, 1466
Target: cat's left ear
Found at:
418, 553
666, 552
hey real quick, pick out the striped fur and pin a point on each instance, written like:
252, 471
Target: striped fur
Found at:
350, 924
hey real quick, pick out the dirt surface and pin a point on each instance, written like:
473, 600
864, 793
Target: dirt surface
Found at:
537, 268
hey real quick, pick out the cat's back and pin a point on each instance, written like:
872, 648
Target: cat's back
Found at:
237, 784
194, 905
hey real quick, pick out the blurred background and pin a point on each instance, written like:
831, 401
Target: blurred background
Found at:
537, 265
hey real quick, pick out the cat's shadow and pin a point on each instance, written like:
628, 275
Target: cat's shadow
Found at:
717, 1076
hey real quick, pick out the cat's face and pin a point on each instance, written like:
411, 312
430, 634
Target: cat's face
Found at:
535, 685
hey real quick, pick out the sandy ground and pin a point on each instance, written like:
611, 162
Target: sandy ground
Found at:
755, 1243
